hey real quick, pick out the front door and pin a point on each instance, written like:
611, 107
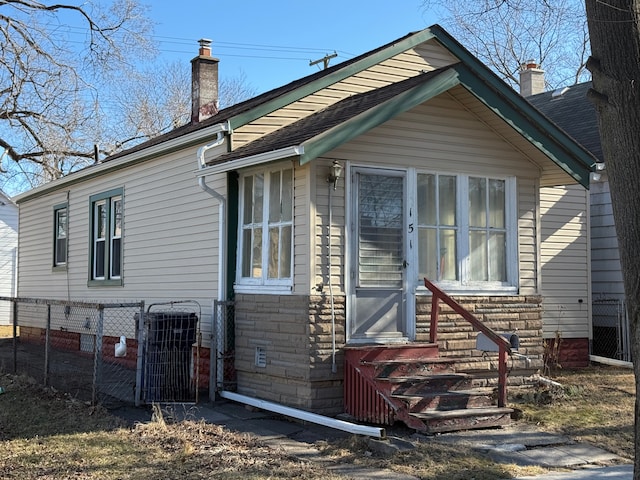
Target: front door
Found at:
378, 270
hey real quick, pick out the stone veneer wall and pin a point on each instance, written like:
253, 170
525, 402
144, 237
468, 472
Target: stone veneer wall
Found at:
456, 337
295, 332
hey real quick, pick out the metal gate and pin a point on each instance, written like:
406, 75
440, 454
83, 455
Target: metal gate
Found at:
170, 370
611, 334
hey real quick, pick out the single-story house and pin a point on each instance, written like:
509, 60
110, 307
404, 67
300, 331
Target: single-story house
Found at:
8, 257
321, 206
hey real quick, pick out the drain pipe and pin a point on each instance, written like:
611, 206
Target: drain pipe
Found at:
353, 428
334, 367
217, 375
222, 209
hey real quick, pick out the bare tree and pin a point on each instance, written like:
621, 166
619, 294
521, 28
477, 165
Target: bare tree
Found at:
504, 34
54, 62
614, 29
157, 99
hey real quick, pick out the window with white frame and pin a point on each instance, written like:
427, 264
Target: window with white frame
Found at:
60, 228
466, 234
106, 238
266, 228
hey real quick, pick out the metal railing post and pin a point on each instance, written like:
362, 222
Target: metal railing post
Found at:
15, 336
97, 359
142, 335
47, 341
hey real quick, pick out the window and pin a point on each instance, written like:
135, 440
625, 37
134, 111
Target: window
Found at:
60, 227
266, 228
106, 238
466, 236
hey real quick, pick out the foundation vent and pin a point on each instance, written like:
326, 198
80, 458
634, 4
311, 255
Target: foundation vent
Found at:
261, 357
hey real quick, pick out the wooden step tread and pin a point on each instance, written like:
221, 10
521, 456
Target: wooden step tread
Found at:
466, 412
452, 393
401, 361
418, 378
390, 346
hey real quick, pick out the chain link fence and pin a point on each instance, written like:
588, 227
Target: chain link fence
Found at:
107, 353
222, 371
611, 334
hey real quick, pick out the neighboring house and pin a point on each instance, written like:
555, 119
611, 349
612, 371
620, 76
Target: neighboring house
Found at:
572, 111
320, 206
8, 256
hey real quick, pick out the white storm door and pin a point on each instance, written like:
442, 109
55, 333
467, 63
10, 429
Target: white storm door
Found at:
379, 264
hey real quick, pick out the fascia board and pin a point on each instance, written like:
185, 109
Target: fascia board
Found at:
266, 157
575, 162
480, 70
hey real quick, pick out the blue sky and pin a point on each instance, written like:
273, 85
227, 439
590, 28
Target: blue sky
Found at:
272, 42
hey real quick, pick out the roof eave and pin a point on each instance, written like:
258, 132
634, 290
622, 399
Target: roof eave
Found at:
368, 61
572, 157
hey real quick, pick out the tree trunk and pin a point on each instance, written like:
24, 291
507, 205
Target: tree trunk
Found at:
614, 30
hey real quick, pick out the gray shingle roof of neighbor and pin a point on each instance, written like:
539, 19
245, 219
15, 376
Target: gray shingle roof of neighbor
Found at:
574, 113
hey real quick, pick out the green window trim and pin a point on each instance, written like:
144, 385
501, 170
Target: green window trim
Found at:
60, 244
105, 238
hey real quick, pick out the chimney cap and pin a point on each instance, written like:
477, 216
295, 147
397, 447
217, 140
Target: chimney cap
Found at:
205, 47
529, 65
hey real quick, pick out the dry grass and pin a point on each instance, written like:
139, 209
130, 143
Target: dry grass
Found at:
44, 434
595, 406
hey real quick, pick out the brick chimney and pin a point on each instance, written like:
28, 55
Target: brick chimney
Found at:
531, 79
204, 83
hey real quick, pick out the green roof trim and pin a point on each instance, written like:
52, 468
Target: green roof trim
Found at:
552, 146
330, 79
582, 163
377, 115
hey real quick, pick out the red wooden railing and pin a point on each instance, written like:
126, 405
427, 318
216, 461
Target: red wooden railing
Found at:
504, 346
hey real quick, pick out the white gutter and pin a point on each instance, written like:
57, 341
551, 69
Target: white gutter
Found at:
354, 428
152, 151
222, 208
292, 151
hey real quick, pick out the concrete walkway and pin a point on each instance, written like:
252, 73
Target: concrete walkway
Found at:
519, 444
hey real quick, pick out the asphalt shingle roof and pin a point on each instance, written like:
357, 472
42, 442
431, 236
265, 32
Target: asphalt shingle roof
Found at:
574, 113
325, 119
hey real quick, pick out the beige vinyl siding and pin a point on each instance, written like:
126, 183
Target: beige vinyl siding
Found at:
425, 57
320, 245
565, 261
528, 253
301, 202
170, 237
439, 136
606, 274
8, 253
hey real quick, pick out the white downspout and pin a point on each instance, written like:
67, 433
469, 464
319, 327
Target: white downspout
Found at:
222, 208
222, 263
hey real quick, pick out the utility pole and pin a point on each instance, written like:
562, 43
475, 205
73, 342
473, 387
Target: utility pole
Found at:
325, 60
